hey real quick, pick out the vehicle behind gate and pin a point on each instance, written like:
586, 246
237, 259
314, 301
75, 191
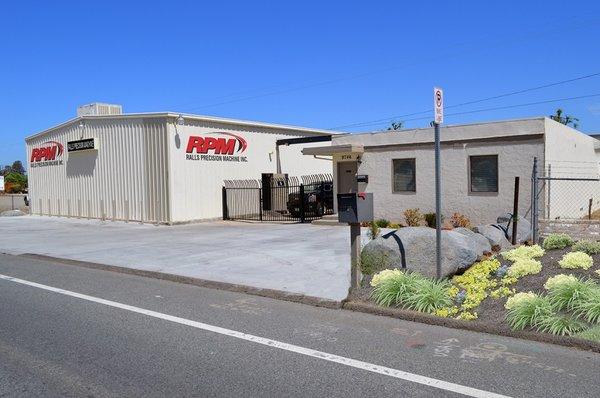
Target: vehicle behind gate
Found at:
282, 198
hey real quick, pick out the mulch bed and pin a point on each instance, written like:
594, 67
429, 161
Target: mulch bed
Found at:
491, 312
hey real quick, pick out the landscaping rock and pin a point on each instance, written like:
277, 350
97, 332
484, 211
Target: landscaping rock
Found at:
479, 243
419, 250
523, 227
494, 235
12, 213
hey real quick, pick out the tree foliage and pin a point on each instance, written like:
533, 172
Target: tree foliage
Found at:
567, 120
15, 182
395, 126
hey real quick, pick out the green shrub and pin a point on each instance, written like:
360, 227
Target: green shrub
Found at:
559, 279
430, 219
528, 312
587, 246
588, 306
565, 295
430, 296
524, 267
373, 261
413, 217
382, 223
523, 252
592, 334
382, 275
574, 260
559, 324
373, 231
557, 241
395, 225
396, 289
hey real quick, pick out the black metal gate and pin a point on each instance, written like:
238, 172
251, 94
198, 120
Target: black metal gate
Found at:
278, 198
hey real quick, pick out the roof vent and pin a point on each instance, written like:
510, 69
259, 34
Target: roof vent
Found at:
99, 109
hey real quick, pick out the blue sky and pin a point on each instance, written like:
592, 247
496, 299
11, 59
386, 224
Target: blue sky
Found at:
317, 64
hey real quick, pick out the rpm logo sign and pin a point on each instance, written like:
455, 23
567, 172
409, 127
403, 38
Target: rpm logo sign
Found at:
217, 147
47, 154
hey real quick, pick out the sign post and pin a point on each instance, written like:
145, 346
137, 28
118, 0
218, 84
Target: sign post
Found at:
438, 102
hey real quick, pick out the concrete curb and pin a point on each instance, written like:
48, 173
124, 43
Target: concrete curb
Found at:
271, 293
347, 304
567, 341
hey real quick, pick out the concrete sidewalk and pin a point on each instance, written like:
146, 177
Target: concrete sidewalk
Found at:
299, 258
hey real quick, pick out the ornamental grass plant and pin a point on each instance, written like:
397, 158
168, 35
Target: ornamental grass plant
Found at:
396, 288
559, 324
587, 306
566, 295
527, 312
411, 290
430, 295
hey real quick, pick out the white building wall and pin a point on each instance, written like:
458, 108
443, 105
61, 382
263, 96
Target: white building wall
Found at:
125, 179
515, 158
196, 185
569, 154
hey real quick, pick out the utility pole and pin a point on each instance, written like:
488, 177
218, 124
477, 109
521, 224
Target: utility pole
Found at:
438, 101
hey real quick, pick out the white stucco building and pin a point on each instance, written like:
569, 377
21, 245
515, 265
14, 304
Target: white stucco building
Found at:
154, 167
479, 165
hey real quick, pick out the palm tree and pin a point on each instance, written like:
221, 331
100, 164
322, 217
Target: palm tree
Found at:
566, 120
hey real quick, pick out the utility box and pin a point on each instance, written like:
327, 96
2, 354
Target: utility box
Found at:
355, 207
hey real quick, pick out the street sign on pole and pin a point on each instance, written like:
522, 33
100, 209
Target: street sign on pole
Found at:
438, 101
438, 104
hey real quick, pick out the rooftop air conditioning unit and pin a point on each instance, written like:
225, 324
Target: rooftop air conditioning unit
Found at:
99, 109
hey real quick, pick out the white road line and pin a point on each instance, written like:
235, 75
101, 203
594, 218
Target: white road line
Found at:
398, 374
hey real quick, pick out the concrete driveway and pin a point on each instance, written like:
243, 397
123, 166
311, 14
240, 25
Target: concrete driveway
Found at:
296, 258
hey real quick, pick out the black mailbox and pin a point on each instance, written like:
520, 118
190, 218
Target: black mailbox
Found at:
355, 207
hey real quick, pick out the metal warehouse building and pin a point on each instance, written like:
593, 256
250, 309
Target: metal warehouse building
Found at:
155, 167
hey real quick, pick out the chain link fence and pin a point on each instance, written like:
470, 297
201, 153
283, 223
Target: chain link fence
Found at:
566, 197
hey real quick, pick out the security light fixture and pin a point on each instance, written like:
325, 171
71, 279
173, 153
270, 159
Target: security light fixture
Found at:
180, 120
81, 128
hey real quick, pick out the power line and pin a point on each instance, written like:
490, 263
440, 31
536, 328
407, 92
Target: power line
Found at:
508, 106
530, 35
376, 121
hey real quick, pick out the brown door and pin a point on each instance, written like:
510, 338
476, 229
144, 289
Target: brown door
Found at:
347, 177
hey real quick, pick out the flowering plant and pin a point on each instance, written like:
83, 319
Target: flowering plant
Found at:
476, 282
518, 299
386, 273
523, 252
559, 280
524, 267
576, 260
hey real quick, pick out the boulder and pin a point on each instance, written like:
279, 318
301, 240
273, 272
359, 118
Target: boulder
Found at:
523, 227
494, 235
419, 250
479, 243
12, 213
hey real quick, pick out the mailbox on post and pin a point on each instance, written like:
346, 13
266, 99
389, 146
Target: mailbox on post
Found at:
354, 208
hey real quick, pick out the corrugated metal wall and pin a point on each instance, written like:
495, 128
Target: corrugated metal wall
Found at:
125, 179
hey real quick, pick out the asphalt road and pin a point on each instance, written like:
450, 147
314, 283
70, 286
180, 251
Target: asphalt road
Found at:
134, 336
